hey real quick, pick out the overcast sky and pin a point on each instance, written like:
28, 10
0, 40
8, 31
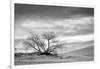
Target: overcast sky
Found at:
71, 23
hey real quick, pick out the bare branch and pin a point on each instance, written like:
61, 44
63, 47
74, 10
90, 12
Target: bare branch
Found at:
58, 45
49, 35
34, 40
30, 44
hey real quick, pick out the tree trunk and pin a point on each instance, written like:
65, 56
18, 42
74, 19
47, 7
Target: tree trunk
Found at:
45, 53
48, 45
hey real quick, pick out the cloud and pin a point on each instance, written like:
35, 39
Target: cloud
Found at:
77, 38
65, 21
83, 25
36, 24
63, 27
51, 12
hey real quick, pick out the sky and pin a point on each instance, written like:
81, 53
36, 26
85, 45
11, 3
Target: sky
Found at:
74, 24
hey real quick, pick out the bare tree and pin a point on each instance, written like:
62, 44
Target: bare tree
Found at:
37, 42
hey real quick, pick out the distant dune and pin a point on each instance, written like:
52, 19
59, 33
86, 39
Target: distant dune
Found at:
84, 54
88, 51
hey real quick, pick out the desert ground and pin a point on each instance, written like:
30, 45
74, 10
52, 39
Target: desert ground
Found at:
85, 54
